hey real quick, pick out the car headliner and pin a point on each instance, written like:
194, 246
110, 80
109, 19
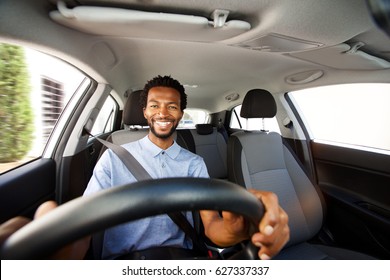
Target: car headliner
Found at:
289, 44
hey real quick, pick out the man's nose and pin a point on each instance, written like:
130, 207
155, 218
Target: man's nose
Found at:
163, 111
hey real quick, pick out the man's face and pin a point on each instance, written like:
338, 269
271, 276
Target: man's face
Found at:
163, 111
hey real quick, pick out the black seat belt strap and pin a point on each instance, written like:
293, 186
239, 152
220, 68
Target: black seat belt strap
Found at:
183, 223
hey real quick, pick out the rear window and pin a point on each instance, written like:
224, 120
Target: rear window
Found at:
266, 124
192, 117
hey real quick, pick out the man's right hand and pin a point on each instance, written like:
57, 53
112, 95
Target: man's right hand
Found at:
74, 251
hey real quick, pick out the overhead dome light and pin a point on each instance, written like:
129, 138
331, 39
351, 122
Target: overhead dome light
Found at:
232, 97
190, 86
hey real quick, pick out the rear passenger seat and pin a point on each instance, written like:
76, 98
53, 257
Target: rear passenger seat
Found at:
205, 140
212, 147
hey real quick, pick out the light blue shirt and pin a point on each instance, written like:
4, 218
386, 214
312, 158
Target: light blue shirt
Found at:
151, 231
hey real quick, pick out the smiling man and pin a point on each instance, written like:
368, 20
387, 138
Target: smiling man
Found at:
163, 101
163, 113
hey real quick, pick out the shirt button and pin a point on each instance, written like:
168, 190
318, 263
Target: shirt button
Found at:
162, 152
163, 165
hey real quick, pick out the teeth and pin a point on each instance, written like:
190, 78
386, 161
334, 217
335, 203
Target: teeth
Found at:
159, 123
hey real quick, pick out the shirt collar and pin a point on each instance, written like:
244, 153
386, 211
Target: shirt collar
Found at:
173, 151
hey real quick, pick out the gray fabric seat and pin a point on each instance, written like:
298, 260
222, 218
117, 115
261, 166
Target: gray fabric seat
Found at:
212, 147
260, 160
134, 122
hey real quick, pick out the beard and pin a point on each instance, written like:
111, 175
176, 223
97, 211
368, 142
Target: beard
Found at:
163, 135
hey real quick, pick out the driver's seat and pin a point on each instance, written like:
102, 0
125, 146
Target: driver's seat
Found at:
260, 160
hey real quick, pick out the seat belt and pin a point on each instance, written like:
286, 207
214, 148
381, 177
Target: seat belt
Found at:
140, 174
221, 129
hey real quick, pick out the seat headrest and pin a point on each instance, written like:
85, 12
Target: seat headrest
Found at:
258, 103
204, 129
132, 112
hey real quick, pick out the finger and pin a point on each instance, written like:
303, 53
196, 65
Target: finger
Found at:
267, 236
282, 232
44, 208
11, 226
273, 249
73, 251
268, 252
235, 223
271, 206
230, 216
270, 245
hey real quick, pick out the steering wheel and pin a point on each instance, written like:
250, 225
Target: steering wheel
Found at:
86, 215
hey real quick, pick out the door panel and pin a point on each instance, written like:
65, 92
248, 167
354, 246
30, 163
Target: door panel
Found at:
24, 188
356, 186
79, 168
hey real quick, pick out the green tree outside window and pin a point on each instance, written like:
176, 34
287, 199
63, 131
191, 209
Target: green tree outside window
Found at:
16, 116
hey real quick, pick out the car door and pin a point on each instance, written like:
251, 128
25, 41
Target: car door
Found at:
56, 103
100, 117
348, 140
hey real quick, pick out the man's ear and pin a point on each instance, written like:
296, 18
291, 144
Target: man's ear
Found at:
143, 110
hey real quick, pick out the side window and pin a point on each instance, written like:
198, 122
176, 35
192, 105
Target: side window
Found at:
105, 120
354, 114
267, 124
34, 89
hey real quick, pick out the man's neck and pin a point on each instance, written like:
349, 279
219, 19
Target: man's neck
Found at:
163, 143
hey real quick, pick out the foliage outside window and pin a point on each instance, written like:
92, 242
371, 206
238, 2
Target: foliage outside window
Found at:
16, 116
34, 89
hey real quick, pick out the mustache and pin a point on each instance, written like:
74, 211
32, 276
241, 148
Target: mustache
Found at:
163, 119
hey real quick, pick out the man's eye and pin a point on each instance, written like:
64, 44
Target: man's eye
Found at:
172, 107
153, 106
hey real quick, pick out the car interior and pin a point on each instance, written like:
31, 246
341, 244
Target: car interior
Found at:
240, 62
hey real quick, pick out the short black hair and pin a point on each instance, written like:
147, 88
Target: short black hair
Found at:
165, 81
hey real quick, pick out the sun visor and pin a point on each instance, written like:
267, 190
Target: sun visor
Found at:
132, 23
